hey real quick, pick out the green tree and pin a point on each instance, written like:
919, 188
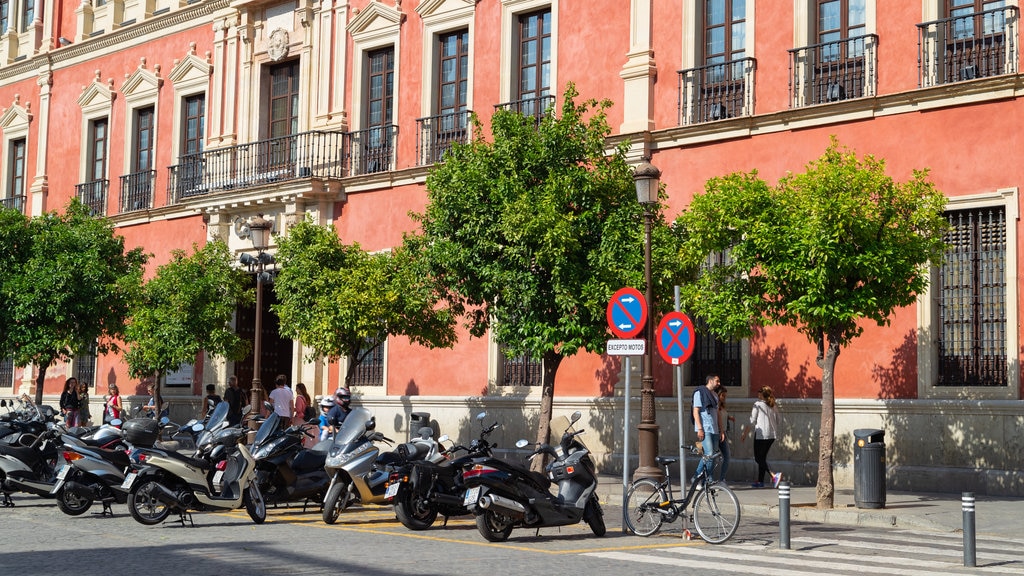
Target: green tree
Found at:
66, 282
532, 230
185, 309
342, 301
821, 251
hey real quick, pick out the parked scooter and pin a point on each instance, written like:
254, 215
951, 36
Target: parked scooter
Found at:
504, 496
285, 470
424, 488
221, 475
356, 466
32, 468
21, 425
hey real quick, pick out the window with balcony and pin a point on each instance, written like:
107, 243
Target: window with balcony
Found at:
450, 123
15, 196
137, 186
93, 192
372, 147
5, 8
722, 85
187, 176
28, 13
975, 39
277, 153
841, 62
532, 64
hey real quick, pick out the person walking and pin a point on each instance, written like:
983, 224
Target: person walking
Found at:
282, 398
234, 397
764, 418
210, 400
705, 420
69, 402
302, 403
84, 416
726, 425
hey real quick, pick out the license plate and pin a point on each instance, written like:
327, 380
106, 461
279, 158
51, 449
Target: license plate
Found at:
392, 490
128, 480
63, 472
218, 477
472, 495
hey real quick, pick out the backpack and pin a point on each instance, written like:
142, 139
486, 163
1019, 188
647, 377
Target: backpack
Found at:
707, 397
310, 413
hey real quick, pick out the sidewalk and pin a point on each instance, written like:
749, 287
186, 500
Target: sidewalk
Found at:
994, 515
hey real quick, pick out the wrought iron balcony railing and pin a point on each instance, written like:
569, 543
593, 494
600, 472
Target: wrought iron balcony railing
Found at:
537, 107
436, 134
967, 47
833, 71
716, 91
372, 150
304, 155
94, 196
13, 203
137, 191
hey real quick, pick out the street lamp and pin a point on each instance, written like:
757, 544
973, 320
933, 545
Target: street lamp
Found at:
259, 233
646, 177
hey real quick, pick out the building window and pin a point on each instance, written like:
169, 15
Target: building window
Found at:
371, 148
522, 370
15, 197
97, 149
972, 300
85, 366
449, 125
137, 186
370, 372
973, 39
28, 12
193, 124
533, 62
284, 100
5, 8
143, 140
839, 61
7, 372
187, 176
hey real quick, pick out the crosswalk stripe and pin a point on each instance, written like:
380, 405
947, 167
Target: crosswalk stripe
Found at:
947, 551
695, 563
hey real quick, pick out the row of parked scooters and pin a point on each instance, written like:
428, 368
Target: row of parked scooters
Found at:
159, 469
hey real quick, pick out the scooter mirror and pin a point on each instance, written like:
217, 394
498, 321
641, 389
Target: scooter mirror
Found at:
197, 427
576, 416
116, 422
480, 417
268, 406
443, 438
522, 443
165, 421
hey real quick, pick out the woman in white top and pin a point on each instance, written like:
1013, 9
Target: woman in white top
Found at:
764, 418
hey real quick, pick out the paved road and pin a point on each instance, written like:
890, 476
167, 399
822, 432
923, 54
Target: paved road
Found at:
37, 539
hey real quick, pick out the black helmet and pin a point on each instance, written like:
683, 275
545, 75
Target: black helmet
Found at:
342, 396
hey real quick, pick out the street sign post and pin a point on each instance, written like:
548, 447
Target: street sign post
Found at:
622, 347
676, 338
627, 312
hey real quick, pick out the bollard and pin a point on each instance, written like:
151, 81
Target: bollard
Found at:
784, 515
970, 552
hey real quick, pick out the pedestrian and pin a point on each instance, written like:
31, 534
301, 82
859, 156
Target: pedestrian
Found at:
336, 416
764, 418
210, 400
84, 416
233, 396
112, 406
726, 423
149, 410
69, 402
302, 403
326, 403
282, 398
705, 421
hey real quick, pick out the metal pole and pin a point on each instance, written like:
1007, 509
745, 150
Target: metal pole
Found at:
784, 515
256, 394
647, 431
680, 405
970, 552
625, 443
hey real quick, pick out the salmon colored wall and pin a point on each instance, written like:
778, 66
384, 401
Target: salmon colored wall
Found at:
377, 219
592, 51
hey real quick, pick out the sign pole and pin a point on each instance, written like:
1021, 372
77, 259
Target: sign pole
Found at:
680, 401
625, 442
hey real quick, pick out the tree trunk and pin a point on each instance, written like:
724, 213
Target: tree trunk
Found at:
40, 379
826, 439
547, 398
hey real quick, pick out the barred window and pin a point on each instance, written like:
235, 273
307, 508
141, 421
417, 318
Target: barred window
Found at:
522, 370
85, 366
7, 372
972, 300
370, 371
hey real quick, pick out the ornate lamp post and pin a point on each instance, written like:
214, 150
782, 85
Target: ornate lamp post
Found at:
259, 233
646, 177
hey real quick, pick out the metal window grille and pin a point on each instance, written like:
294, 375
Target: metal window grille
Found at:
972, 301
85, 366
714, 356
522, 370
7, 372
370, 371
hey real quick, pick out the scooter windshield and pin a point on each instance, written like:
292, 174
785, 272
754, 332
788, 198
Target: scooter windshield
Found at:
354, 426
267, 429
219, 416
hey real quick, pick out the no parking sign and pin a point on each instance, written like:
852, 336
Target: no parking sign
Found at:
676, 338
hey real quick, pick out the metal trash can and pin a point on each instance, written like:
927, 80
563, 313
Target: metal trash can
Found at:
418, 420
869, 468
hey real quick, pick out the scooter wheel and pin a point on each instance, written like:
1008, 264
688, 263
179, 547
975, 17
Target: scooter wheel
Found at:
414, 511
335, 502
595, 517
254, 503
72, 504
494, 527
144, 507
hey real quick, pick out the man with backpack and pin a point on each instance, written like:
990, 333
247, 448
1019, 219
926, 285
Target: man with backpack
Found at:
705, 420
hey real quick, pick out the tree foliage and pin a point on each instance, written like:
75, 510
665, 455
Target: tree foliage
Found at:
822, 251
531, 231
185, 309
343, 301
66, 281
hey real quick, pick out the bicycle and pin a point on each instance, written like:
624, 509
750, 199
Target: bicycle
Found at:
715, 513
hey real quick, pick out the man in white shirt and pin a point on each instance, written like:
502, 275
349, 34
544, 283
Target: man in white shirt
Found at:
282, 398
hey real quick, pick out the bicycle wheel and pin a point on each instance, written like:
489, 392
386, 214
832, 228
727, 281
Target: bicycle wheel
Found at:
640, 511
716, 514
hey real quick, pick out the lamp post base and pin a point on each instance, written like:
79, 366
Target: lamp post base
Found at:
647, 435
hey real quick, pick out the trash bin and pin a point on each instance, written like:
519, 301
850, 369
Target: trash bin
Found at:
869, 468
418, 420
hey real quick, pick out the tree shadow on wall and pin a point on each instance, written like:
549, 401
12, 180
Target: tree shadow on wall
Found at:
800, 435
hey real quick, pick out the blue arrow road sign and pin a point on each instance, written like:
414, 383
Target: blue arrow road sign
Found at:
676, 338
627, 312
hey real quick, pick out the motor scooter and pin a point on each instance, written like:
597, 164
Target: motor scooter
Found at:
30, 469
285, 471
358, 470
504, 496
